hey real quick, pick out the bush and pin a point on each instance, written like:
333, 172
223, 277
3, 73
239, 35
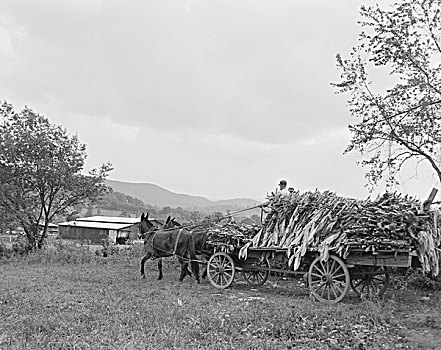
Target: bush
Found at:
60, 253
404, 279
65, 254
20, 247
4, 252
108, 248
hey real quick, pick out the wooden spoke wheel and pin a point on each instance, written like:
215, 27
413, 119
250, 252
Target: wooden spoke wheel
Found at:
370, 281
254, 275
328, 280
220, 270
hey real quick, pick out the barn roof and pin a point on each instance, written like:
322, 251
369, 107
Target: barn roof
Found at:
50, 225
111, 219
114, 220
98, 225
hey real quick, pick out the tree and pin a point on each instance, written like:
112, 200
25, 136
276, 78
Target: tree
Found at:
403, 122
196, 216
73, 215
165, 211
7, 221
89, 211
41, 168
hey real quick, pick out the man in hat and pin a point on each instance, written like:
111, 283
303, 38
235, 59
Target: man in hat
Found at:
283, 193
276, 201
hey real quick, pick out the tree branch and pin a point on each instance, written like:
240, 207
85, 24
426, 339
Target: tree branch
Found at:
429, 25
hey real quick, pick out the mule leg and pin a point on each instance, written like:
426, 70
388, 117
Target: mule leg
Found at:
204, 274
160, 269
187, 270
184, 265
193, 260
184, 269
195, 269
144, 259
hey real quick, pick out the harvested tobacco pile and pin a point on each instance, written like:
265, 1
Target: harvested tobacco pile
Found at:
326, 223
230, 236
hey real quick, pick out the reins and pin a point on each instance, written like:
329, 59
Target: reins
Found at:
153, 231
193, 226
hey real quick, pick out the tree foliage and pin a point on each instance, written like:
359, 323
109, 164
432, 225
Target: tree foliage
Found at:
402, 122
41, 168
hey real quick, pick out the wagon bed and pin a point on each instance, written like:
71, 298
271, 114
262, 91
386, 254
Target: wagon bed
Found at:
328, 280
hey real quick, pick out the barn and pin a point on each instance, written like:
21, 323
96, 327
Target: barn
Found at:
97, 228
52, 229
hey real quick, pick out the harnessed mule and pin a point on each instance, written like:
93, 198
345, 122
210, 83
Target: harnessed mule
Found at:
199, 235
168, 242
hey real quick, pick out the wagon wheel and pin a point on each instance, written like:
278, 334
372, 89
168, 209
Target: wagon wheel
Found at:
373, 282
220, 270
255, 276
328, 280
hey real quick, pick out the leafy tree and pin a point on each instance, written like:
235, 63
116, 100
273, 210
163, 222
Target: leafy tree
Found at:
196, 216
72, 216
403, 122
166, 211
41, 168
89, 211
7, 221
124, 214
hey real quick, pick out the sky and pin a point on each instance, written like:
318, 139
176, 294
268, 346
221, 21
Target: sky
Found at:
219, 98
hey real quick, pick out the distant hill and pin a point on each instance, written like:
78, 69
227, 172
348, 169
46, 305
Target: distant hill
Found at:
155, 195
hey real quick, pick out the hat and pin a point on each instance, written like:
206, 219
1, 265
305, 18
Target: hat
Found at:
282, 182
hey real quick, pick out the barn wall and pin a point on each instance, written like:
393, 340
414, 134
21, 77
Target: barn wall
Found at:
83, 233
133, 235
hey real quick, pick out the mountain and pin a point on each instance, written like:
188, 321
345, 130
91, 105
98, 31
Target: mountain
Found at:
158, 196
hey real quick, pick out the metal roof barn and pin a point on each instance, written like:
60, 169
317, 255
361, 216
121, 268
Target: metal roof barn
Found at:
111, 219
97, 228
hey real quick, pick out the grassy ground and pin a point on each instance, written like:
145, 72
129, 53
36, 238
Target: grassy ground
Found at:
71, 300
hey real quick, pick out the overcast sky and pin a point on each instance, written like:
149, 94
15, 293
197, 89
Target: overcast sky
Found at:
214, 98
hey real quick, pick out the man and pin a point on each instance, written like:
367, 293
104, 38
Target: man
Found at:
283, 193
277, 201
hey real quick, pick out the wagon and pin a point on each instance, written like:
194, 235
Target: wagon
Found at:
366, 273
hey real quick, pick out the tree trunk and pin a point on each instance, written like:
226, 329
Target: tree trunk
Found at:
42, 239
31, 235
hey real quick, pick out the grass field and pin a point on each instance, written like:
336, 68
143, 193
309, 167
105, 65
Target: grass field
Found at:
75, 300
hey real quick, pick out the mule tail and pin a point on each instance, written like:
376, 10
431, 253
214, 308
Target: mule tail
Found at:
193, 261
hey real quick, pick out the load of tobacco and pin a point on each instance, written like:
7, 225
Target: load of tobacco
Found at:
229, 236
327, 223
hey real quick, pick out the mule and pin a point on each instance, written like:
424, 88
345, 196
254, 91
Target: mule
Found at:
167, 242
199, 237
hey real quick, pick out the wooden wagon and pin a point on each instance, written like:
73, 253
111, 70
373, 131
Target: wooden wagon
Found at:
328, 279
367, 273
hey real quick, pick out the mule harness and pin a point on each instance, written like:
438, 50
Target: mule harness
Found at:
151, 231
